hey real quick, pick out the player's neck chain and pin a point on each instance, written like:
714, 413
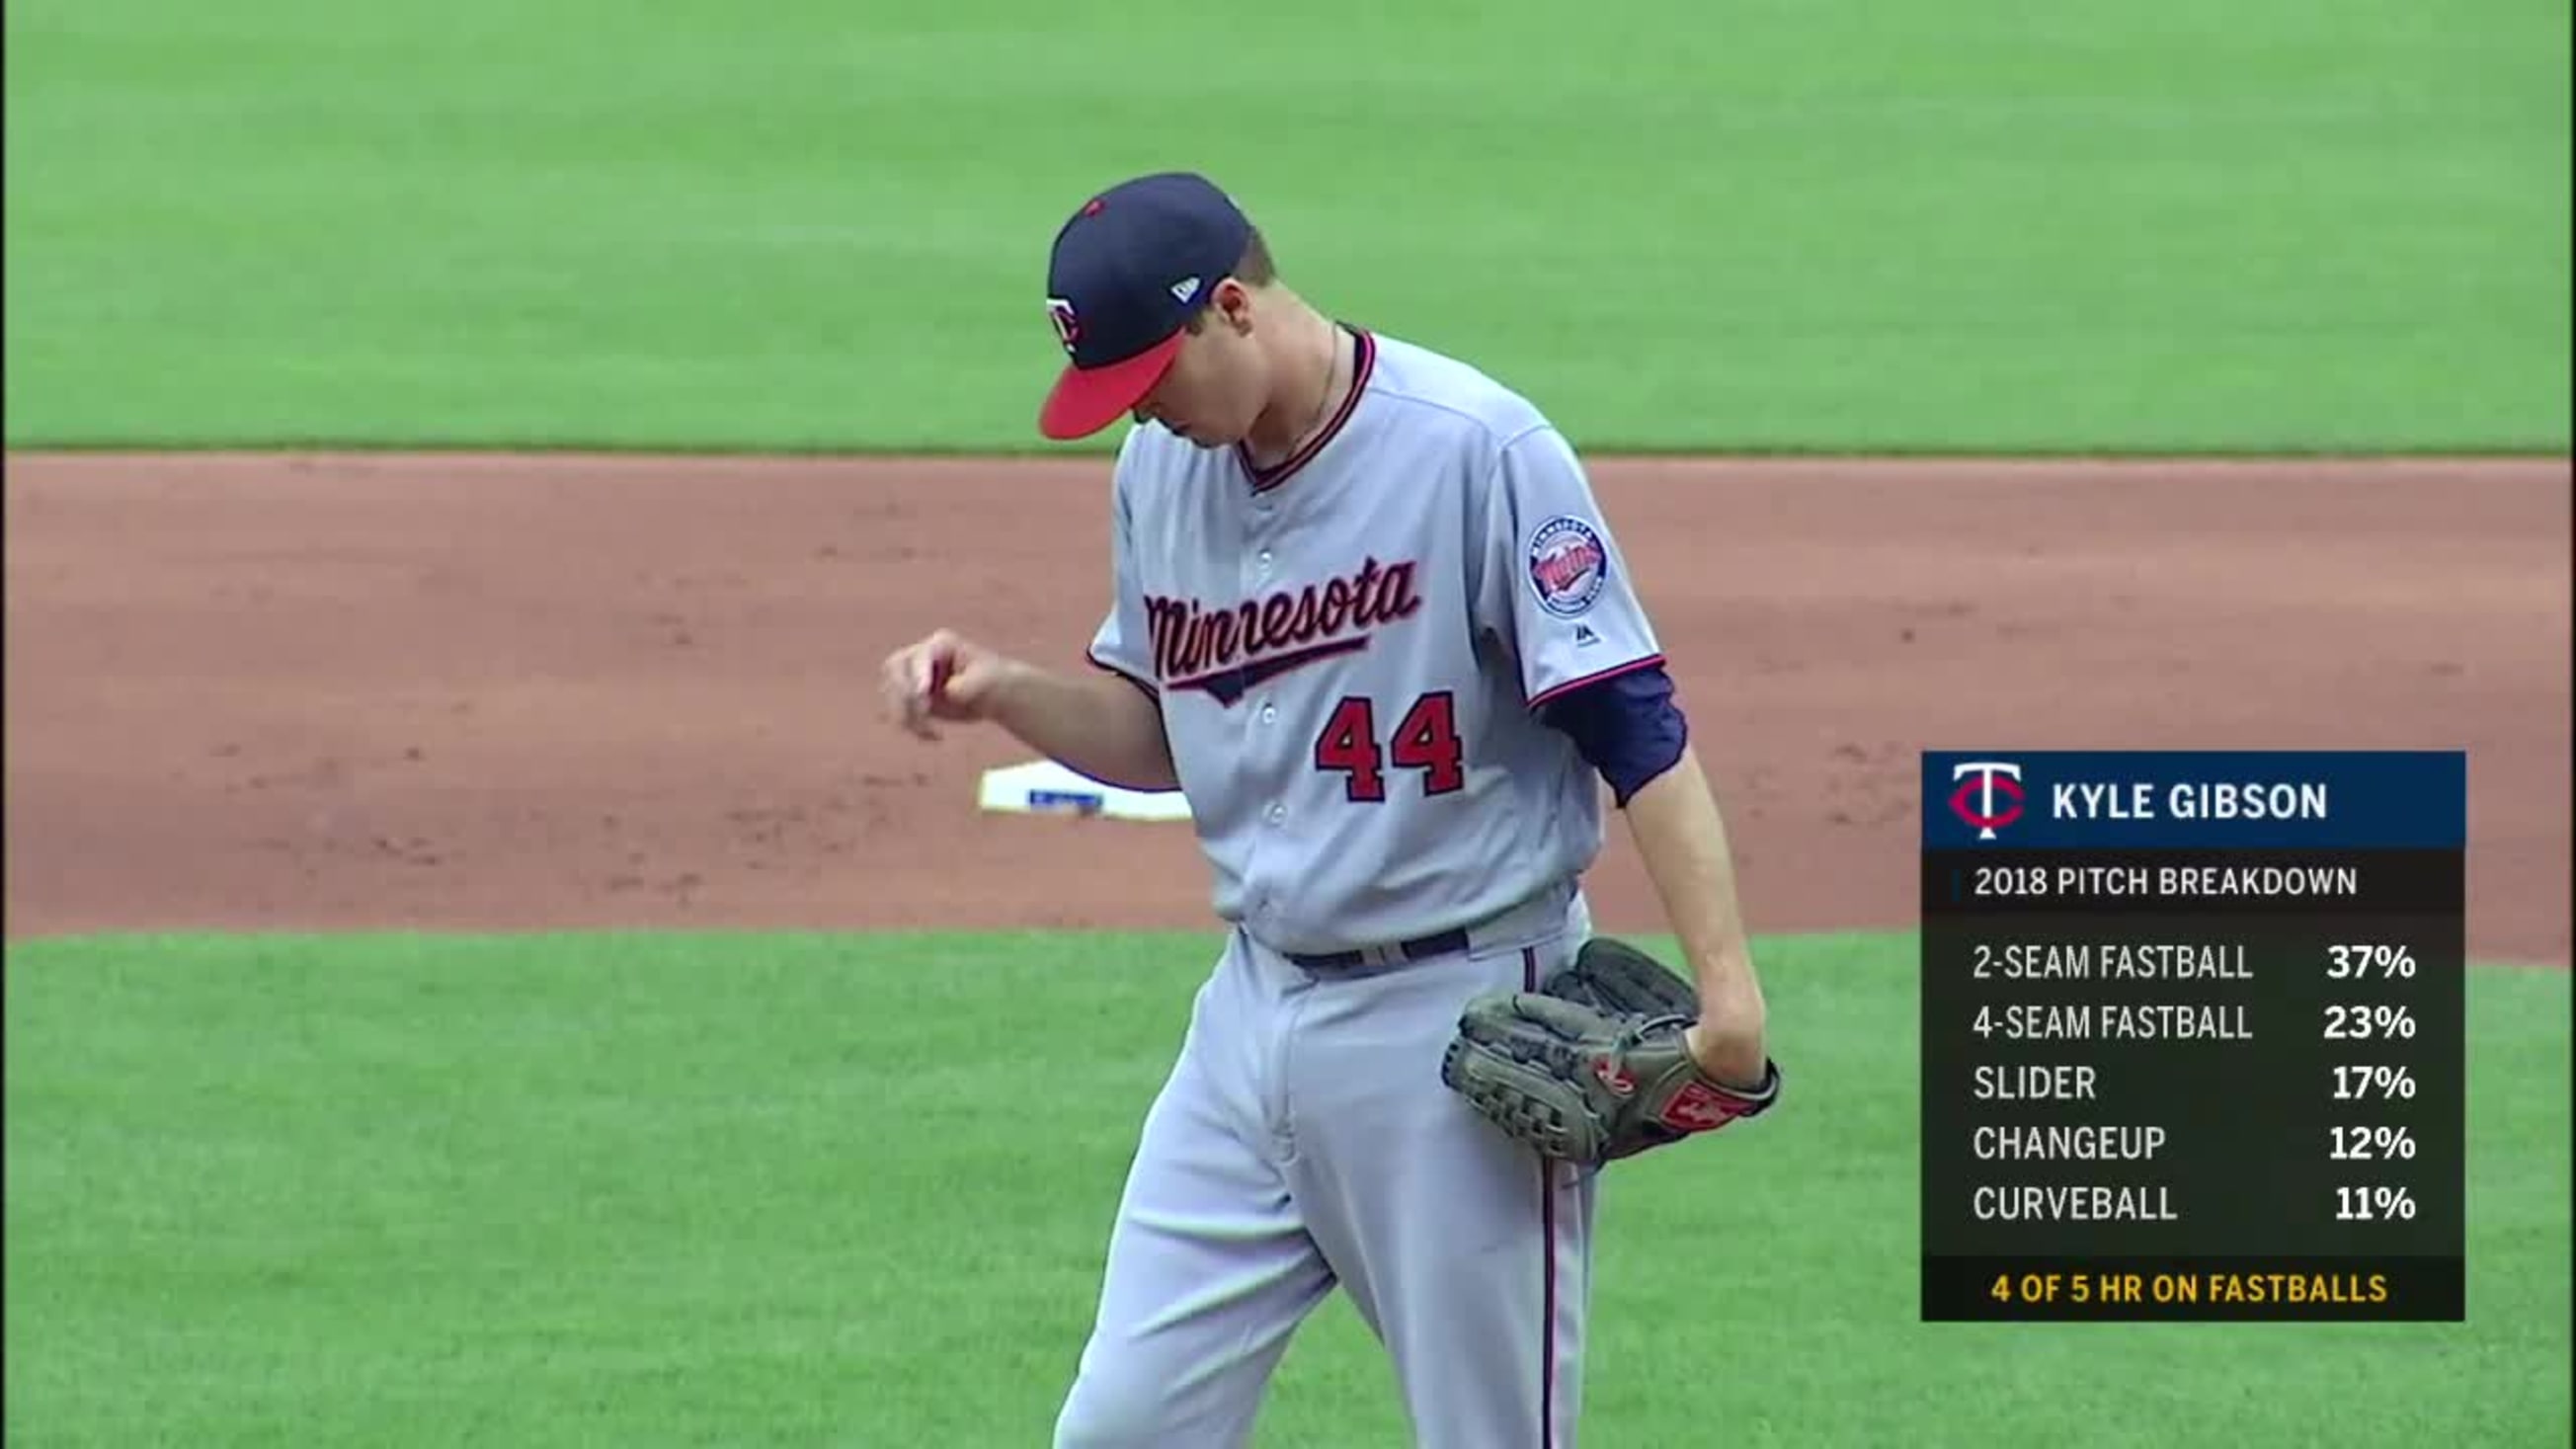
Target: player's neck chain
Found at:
1323, 404
1332, 385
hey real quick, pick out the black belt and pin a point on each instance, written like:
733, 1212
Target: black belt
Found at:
1419, 948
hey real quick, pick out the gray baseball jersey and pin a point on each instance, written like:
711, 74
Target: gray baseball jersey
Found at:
1349, 650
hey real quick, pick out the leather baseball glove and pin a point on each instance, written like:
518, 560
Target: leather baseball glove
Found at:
1624, 981
1578, 1076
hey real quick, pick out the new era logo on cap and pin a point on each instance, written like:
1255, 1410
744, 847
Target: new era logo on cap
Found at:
1128, 270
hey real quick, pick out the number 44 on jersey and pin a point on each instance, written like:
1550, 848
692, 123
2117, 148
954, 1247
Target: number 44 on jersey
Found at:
1425, 741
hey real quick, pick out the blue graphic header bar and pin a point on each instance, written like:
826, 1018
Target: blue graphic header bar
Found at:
2195, 800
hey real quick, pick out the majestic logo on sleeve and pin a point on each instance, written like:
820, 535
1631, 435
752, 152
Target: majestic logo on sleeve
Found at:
1568, 567
1227, 650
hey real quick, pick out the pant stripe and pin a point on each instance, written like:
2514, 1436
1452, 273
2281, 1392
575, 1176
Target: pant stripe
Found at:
1547, 1268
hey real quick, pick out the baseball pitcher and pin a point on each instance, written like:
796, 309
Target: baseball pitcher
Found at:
1368, 616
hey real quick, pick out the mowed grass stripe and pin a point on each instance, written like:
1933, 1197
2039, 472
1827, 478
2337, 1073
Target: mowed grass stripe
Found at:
1958, 227
844, 1190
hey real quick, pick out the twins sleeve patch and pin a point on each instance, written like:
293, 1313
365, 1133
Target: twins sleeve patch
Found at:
1568, 567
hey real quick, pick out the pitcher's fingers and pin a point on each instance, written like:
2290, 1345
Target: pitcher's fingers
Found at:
894, 690
916, 707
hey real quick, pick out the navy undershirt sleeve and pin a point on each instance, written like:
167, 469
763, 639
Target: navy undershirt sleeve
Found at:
1627, 727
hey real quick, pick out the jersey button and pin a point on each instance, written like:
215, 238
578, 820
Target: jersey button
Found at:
1278, 813
1269, 712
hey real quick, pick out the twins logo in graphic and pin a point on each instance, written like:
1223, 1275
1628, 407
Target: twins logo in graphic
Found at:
1989, 795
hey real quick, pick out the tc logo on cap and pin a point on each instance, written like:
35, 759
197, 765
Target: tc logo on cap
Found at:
1068, 329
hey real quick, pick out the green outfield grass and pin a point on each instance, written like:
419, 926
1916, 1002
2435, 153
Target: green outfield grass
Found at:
2289, 224
669, 1190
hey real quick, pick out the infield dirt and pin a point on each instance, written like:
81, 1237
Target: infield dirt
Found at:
486, 692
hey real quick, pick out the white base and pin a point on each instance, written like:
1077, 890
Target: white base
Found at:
1043, 787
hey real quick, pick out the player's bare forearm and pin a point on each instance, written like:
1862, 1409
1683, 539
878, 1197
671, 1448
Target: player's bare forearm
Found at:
1098, 724
1682, 838
1094, 722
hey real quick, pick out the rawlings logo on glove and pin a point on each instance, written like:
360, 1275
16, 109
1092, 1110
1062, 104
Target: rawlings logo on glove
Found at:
1594, 1067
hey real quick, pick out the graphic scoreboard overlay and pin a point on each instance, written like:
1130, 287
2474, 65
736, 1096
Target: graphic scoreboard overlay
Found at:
2193, 1031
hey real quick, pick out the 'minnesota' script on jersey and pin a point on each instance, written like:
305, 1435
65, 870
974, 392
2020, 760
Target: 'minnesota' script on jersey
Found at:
1350, 650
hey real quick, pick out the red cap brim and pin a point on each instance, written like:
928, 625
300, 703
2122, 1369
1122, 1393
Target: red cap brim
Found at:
1087, 399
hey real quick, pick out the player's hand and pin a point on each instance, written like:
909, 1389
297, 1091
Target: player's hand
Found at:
943, 677
1725, 1056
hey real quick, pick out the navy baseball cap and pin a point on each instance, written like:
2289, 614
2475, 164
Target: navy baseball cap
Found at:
1130, 267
